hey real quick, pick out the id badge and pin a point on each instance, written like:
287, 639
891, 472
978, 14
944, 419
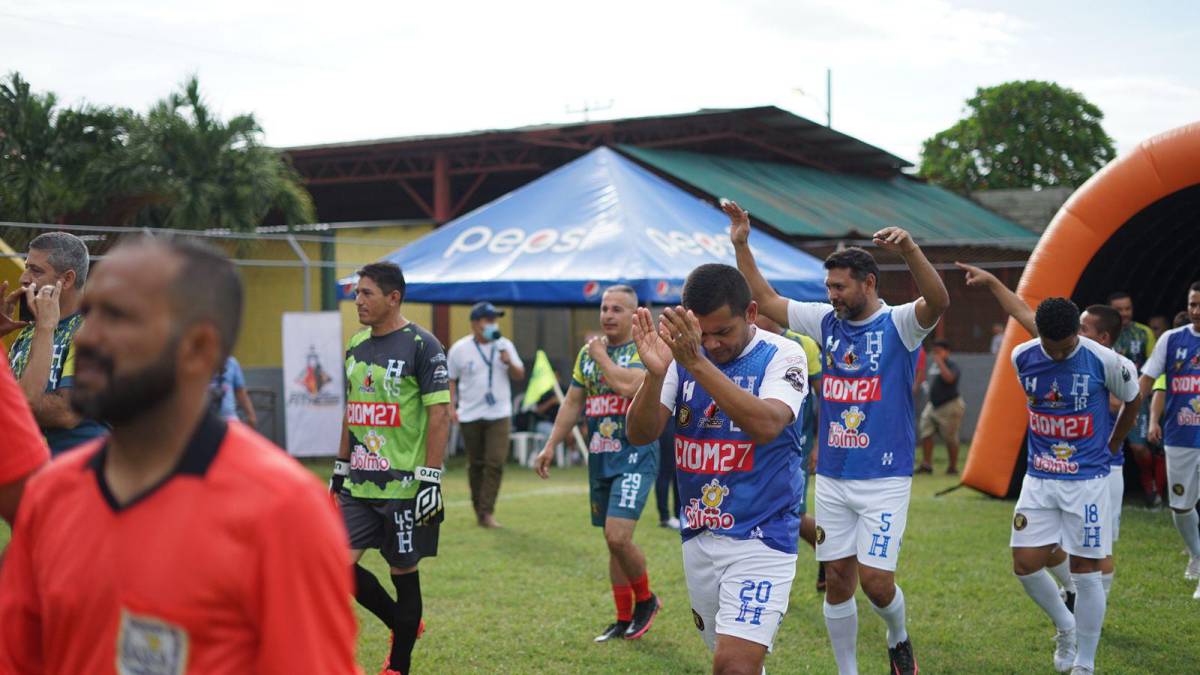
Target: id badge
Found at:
491, 400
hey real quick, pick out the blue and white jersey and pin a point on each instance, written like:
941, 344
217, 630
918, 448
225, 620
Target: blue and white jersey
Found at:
1177, 355
728, 485
867, 428
1069, 423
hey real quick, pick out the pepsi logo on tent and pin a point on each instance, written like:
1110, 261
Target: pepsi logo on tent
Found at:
591, 288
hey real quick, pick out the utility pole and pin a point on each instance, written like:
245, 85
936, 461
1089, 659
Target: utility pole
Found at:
829, 97
589, 108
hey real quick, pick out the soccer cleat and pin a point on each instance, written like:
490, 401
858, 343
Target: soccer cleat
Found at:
924, 468
643, 615
1064, 650
1081, 670
1192, 573
902, 659
615, 631
1196, 595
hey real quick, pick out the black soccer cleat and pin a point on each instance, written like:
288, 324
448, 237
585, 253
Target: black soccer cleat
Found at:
902, 659
615, 631
643, 615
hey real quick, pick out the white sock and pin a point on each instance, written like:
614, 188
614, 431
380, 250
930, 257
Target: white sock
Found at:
1187, 523
1107, 580
1041, 587
842, 622
1090, 604
893, 616
1062, 572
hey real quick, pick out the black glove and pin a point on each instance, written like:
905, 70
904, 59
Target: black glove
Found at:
428, 509
341, 470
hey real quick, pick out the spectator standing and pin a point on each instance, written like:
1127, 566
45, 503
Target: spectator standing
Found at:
229, 393
481, 366
943, 413
1135, 343
997, 337
1158, 325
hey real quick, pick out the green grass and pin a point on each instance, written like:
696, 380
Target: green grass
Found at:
530, 597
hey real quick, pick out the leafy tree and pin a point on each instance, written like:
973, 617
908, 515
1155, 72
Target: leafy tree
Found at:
1019, 134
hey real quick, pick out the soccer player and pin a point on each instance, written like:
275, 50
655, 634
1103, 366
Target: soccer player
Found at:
388, 474
1064, 500
1177, 355
23, 449
868, 435
179, 542
735, 392
608, 372
1135, 343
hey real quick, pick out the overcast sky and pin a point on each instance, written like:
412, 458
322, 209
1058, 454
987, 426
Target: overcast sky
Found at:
317, 72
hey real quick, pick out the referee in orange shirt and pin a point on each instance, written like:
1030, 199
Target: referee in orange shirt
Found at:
23, 449
179, 542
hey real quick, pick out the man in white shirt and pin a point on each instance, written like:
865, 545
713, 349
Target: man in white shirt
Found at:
481, 365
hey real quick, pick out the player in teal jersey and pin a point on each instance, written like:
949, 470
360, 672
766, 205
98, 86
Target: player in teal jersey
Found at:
388, 474
608, 372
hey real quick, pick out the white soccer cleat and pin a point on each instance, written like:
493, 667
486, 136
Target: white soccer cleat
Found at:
1193, 569
1196, 595
1064, 650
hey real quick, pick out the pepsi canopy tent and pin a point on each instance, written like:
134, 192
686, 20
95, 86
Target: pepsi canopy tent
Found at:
599, 220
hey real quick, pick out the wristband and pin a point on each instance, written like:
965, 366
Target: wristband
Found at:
427, 474
341, 467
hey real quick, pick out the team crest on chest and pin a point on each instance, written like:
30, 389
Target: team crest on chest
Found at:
150, 646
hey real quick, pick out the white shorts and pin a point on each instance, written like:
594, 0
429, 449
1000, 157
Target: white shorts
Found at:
1116, 495
1183, 475
863, 519
737, 587
1073, 512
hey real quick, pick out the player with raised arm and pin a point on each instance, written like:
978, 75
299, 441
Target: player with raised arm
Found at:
735, 392
1177, 425
867, 439
607, 374
388, 474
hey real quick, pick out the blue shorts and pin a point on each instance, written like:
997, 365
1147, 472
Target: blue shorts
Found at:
620, 496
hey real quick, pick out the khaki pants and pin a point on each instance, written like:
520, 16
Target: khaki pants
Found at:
944, 419
486, 442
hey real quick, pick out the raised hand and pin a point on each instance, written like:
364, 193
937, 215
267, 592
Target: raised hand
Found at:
655, 354
739, 222
680, 330
976, 276
45, 304
597, 347
8, 320
894, 239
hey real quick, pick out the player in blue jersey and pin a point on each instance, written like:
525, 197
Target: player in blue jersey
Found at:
1067, 380
735, 392
867, 438
1177, 356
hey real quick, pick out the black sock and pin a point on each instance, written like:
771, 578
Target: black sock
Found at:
371, 594
408, 619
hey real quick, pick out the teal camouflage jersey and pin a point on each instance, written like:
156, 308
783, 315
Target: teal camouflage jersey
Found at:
609, 453
390, 380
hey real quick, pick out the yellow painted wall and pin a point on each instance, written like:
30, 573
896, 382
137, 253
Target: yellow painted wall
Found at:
358, 246
269, 292
10, 270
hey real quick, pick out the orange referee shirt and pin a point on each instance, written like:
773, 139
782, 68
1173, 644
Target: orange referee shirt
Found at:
236, 563
22, 448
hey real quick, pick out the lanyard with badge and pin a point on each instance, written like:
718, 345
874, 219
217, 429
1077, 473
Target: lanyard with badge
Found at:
489, 397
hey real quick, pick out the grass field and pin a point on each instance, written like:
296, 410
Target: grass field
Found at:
529, 597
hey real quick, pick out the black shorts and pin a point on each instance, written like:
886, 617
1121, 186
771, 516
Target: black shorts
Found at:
387, 524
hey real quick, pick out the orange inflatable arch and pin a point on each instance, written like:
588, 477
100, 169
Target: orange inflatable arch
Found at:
1135, 227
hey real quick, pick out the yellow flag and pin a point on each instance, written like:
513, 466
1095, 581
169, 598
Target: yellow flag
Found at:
541, 380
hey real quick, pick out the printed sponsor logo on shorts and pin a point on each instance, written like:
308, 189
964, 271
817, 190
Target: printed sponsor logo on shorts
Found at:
705, 512
603, 405
820, 535
1070, 427
373, 414
151, 646
1177, 489
716, 456
850, 389
1020, 522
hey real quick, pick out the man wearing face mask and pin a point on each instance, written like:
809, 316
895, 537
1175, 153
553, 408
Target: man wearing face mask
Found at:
481, 366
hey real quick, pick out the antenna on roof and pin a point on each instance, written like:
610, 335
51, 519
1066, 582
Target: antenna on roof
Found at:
590, 108
828, 97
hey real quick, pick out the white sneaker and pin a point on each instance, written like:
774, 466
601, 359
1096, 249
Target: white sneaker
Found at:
1196, 595
1064, 650
1193, 569
1081, 670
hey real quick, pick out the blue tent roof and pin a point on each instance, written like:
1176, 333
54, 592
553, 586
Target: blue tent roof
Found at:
599, 220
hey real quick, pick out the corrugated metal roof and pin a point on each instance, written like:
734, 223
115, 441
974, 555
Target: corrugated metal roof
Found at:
806, 202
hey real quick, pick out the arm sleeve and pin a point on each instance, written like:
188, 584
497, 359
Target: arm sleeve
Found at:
66, 376
1160, 383
786, 377
1157, 363
20, 607
670, 387
806, 317
911, 331
24, 449
577, 377
1120, 377
433, 375
306, 623
512, 353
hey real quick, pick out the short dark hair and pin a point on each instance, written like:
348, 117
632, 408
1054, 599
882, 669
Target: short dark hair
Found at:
944, 344
1181, 319
207, 289
1194, 287
65, 252
1118, 295
860, 263
712, 286
1109, 320
387, 275
1057, 318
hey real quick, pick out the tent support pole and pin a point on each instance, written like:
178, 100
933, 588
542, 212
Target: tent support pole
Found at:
291, 240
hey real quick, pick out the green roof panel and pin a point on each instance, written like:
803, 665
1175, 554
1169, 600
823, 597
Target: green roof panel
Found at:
802, 201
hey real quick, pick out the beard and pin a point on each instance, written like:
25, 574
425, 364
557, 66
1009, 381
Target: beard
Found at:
127, 397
